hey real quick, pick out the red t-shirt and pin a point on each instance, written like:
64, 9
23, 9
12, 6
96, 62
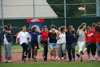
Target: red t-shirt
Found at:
93, 37
89, 37
97, 36
44, 35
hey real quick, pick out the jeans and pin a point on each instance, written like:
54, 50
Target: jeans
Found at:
29, 51
71, 51
25, 50
98, 48
8, 50
0, 53
44, 44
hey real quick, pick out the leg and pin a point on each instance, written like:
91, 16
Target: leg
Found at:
9, 52
29, 52
69, 52
93, 50
64, 50
0, 54
51, 48
98, 51
59, 51
6, 53
73, 50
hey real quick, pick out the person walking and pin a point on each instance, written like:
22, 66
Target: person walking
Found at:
71, 40
0, 47
44, 41
97, 36
34, 41
52, 44
81, 39
24, 37
7, 38
61, 42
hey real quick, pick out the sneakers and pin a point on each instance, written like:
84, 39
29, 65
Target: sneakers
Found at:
78, 55
9, 61
5, 61
93, 59
98, 60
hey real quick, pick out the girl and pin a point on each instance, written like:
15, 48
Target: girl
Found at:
7, 37
97, 36
34, 41
52, 43
61, 42
44, 41
24, 37
81, 38
89, 42
71, 39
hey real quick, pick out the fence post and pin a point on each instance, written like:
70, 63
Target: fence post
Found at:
65, 12
2, 15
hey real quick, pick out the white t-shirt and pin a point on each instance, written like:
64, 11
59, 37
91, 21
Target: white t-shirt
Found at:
62, 39
23, 37
81, 35
5, 40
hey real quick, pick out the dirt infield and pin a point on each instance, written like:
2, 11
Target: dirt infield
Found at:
16, 57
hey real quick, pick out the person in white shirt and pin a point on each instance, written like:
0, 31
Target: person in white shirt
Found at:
61, 43
24, 38
81, 38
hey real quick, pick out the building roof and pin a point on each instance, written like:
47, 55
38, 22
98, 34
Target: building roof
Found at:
21, 9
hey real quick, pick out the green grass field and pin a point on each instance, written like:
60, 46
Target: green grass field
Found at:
85, 64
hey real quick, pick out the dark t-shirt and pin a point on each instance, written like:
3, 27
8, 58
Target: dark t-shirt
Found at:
71, 37
52, 38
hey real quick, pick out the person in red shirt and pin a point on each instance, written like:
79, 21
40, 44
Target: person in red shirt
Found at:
44, 41
97, 36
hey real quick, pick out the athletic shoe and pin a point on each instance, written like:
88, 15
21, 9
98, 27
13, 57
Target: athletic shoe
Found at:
93, 59
9, 61
78, 55
82, 53
98, 60
5, 61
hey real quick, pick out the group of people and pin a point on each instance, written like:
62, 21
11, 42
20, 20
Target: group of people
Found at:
61, 42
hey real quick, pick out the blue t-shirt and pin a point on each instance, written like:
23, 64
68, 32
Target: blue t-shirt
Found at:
34, 37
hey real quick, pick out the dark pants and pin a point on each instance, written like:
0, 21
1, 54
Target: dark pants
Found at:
25, 50
0, 53
30, 49
91, 47
71, 51
44, 44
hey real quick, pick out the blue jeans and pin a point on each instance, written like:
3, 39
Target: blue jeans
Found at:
29, 51
8, 50
98, 48
71, 51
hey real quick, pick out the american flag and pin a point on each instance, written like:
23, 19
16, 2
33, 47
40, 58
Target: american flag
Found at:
82, 8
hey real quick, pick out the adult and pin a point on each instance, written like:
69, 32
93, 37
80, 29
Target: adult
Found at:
0, 47
97, 36
52, 43
71, 39
7, 39
81, 38
34, 41
44, 41
24, 37
61, 42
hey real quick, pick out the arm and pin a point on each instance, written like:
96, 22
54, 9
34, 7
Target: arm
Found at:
57, 37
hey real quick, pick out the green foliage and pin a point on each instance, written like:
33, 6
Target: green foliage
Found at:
72, 10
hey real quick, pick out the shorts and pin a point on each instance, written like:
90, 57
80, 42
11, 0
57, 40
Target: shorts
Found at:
53, 45
34, 43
